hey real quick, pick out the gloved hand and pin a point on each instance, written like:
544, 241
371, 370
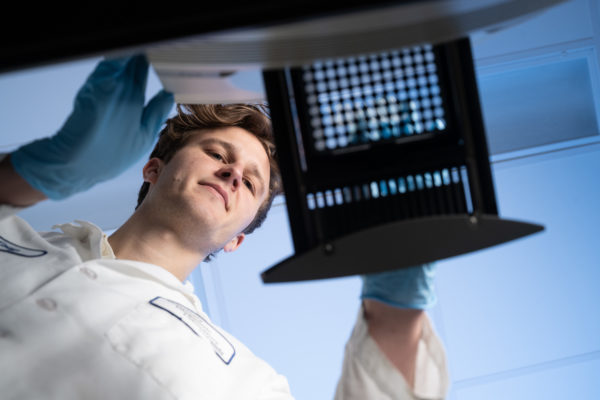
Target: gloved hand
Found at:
108, 130
403, 288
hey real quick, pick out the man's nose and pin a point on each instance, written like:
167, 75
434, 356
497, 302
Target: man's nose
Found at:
232, 174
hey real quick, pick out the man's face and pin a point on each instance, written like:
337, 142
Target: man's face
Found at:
213, 186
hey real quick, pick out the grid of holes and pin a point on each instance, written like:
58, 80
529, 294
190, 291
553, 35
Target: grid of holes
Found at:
386, 187
374, 97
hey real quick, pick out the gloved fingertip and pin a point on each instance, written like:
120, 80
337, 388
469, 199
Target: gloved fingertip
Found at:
110, 66
116, 60
157, 110
163, 100
138, 68
166, 96
139, 60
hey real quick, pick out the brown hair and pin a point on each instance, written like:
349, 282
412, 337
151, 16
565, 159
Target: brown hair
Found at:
191, 117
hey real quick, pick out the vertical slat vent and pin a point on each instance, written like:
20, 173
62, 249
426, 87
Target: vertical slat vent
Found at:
348, 208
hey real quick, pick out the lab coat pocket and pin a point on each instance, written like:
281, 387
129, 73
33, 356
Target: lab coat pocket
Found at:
161, 344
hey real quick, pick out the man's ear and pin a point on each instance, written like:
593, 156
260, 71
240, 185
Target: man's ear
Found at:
152, 170
234, 243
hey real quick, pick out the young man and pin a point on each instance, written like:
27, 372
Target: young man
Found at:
83, 315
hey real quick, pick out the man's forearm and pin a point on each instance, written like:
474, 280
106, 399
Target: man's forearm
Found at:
397, 332
14, 190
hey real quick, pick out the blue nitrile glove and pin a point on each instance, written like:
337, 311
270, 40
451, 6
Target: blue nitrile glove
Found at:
403, 288
108, 130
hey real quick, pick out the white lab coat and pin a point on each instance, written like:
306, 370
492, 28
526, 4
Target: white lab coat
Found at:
76, 323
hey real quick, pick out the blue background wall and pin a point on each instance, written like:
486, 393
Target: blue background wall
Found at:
519, 320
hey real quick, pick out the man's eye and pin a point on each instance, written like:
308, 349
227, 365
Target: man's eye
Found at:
248, 184
217, 156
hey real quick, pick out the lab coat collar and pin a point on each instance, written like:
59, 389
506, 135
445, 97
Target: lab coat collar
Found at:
87, 238
92, 243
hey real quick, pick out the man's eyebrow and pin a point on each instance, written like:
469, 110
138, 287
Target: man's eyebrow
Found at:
231, 149
228, 146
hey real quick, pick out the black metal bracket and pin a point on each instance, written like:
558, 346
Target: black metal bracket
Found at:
398, 245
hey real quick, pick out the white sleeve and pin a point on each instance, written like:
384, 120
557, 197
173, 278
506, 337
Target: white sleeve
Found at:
368, 374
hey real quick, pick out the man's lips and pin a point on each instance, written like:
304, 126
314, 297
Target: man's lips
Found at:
220, 191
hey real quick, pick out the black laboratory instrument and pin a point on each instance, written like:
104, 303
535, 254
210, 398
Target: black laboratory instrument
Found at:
384, 162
